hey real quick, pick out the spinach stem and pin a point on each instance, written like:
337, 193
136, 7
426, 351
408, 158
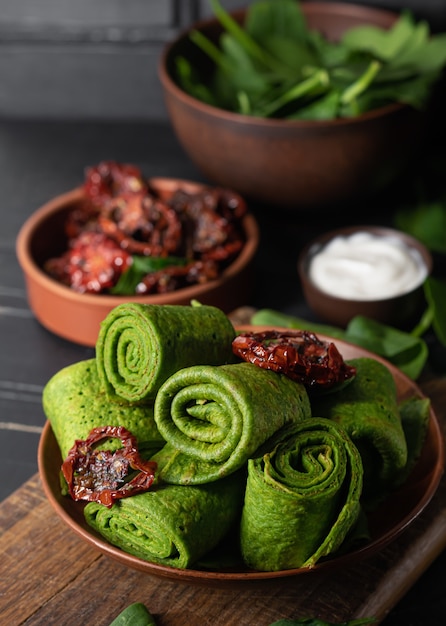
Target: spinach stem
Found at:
424, 323
250, 45
362, 83
244, 103
210, 49
320, 78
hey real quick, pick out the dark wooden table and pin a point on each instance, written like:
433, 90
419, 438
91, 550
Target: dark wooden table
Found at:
47, 575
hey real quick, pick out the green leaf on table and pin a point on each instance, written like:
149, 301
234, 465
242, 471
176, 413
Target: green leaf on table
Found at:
435, 292
405, 351
270, 317
426, 222
408, 353
135, 614
140, 267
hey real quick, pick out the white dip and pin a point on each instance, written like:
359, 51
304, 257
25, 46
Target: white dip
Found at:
364, 266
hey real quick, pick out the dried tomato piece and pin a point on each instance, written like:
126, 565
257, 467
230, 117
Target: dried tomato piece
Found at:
214, 217
104, 476
142, 225
92, 264
82, 217
300, 355
109, 179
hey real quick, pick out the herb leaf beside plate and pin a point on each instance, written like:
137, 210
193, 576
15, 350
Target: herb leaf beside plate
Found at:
407, 352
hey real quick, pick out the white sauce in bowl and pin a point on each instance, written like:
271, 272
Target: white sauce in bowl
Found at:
367, 266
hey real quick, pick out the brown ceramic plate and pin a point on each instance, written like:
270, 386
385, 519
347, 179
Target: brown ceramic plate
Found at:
386, 523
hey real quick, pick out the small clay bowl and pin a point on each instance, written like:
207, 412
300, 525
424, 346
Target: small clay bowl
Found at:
292, 164
76, 316
397, 310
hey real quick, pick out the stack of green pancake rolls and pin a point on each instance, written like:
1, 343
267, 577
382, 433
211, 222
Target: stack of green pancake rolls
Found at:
302, 498
171, 525
239, 449
139, 346
75, 403
367, 409
214, 418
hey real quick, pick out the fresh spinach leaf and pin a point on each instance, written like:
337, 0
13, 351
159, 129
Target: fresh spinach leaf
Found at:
274, 65
435, 291
283, 19
426, 221
378, 42
191, 82
407, 352
245, 39
313, 85
270, 317
324, 108
140, 267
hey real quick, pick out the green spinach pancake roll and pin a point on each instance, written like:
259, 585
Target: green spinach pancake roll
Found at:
302, 497
172, 525
214, 418
368, 410
139, 346
75, 404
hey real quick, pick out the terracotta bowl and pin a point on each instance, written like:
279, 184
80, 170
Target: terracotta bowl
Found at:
76, 316
291, 164
399, 310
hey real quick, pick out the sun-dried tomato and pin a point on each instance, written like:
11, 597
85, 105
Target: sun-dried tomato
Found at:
102, 475
109, 179
81, 218
142, 225
214, 215
300, 355
92, 264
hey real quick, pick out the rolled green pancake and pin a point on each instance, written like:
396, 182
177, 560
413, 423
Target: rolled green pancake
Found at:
214, 418
302, 497
139, 346
171, 525
74, 404
368, 410
415, 416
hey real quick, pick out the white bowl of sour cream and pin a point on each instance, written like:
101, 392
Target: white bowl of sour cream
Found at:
364, 270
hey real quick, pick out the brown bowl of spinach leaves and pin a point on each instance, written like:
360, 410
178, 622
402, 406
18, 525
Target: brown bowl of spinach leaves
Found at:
301, 104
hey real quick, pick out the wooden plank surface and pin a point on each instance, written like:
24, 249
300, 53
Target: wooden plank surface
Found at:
62, 580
